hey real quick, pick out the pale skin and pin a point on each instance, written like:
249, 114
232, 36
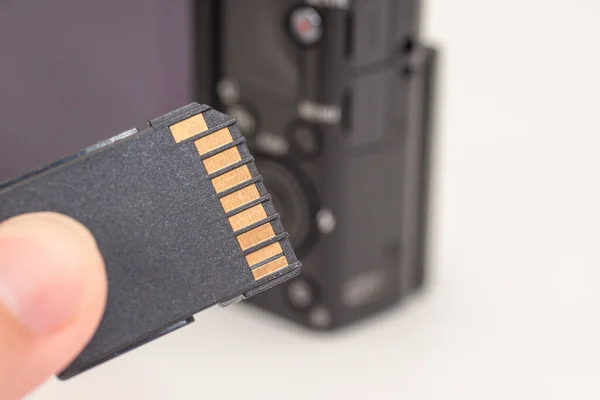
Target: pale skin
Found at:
52, 296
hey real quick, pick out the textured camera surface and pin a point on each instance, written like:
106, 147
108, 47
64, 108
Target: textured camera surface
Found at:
334, 100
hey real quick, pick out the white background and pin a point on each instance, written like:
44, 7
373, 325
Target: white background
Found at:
512, 311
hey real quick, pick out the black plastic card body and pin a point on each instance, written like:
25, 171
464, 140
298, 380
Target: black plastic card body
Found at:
180, 216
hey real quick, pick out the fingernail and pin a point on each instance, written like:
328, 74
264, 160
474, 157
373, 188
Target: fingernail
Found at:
39, 286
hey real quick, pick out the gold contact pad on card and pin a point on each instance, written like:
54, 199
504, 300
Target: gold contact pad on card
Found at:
239, 198
247, 217
263, 254
231, 178
269, 268
222, 160
188, 128
213, 141
256, 236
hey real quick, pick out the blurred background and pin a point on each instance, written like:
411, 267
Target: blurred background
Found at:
511, 305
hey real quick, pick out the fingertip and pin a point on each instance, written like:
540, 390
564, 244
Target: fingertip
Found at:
53, 287
42, 224
50, 265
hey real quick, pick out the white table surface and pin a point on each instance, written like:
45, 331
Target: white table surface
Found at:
512, 311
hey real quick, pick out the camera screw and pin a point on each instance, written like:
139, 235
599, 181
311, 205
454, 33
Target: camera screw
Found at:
320, 317
306, 25
300, 294
325, 221
245, 119
229, 91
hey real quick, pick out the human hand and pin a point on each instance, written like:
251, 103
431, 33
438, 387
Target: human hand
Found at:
52, 296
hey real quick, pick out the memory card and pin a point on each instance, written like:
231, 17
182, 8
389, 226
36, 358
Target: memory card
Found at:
181, 217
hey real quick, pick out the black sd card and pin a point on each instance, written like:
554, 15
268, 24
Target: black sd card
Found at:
181, 217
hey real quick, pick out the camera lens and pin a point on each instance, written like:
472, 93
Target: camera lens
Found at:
293, 197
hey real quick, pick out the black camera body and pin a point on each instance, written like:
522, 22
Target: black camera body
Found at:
335, 100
